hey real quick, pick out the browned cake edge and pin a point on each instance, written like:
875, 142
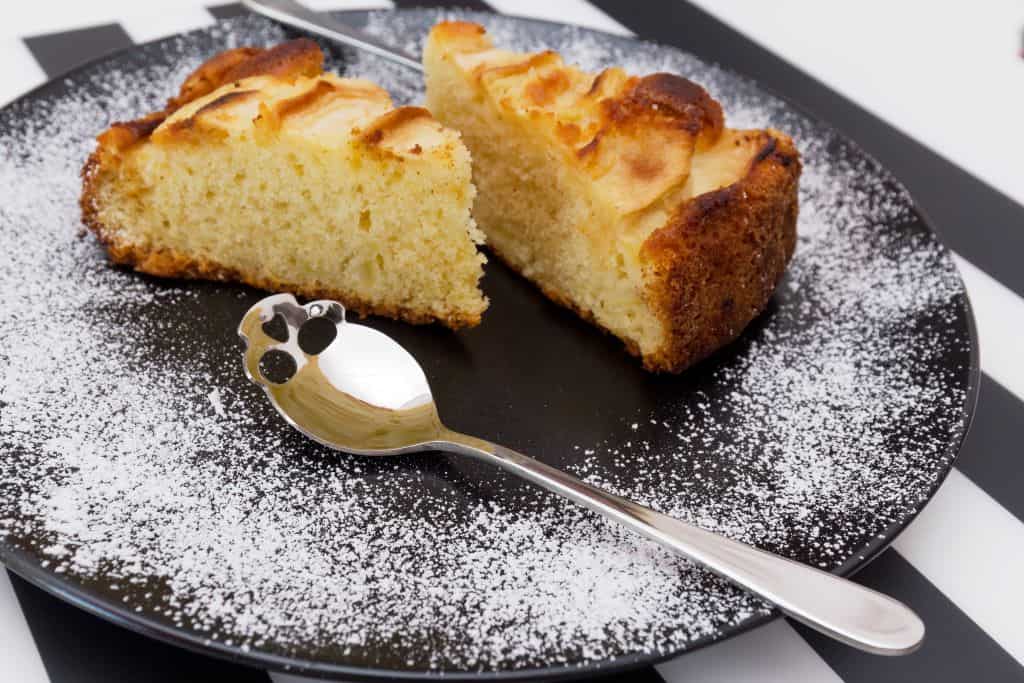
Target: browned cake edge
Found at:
300, 57
711, 269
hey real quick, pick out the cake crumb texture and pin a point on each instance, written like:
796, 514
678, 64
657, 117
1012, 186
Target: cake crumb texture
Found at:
265, 170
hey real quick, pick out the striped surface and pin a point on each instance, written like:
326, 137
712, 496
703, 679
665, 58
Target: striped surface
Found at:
960, 564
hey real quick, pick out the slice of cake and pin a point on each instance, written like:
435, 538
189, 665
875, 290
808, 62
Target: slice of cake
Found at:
268, 171
623, 198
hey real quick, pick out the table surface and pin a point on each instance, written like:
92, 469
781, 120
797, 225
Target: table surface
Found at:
936, 91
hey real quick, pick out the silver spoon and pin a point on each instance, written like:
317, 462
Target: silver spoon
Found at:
355, 390
297, 15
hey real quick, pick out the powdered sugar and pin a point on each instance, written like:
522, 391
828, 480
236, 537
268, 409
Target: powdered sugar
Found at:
138, 462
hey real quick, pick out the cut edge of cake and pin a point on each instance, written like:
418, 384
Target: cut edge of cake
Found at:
699, 219
228, 92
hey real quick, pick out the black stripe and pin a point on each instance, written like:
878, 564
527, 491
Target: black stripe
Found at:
955, 648
979, 222
477, 5
58, 53
77, 647
990, 456
226, 11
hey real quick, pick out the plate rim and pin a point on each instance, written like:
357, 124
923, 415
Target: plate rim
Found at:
65, 589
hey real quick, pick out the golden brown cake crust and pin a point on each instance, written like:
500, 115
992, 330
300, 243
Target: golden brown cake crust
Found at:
713, 267
300, 57
289, 60
293, 58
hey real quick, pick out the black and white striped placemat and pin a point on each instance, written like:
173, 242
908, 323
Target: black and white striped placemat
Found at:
960, 564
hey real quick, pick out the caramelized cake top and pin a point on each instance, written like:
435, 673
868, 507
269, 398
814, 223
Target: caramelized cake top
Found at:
267, 91
638, 139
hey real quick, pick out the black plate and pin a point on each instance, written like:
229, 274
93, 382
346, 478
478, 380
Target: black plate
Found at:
146, 481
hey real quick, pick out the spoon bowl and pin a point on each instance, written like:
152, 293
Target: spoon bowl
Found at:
346, 386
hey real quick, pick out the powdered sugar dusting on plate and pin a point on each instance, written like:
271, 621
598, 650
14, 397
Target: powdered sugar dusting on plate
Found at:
139, 464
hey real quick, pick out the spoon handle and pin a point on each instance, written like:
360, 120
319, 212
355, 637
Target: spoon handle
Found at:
295, 14
846, 611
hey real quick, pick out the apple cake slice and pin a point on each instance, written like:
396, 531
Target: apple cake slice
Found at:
268, 171
624, 198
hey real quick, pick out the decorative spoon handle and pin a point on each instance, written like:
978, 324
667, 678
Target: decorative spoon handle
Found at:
844, 610
299, 16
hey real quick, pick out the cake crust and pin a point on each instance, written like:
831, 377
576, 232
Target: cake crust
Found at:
713, 253
711, 269
287, 61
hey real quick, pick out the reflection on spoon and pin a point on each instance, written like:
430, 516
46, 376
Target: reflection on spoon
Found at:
360, 389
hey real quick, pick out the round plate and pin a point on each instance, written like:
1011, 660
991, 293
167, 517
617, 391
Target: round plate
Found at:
146, 481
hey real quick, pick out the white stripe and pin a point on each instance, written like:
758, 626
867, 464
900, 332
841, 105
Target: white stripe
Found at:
774, 653
19, 658
19, 71
152, 25
577, 12
972, 550
907, 62
34, 17
999, 314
